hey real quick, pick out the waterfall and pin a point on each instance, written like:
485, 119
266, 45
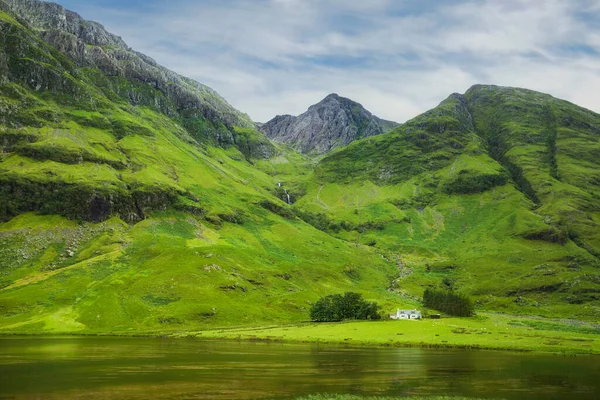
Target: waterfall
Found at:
289, 201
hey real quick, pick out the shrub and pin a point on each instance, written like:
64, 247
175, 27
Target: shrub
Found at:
339, 307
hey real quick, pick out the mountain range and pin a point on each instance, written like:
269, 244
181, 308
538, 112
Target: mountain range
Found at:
135, 199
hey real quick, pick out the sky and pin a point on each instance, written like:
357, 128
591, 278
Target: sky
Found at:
398, 58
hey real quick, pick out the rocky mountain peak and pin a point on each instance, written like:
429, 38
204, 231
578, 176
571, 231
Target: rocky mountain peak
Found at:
332, 97
333, 122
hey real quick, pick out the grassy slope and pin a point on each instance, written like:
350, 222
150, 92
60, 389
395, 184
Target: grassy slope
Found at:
552, 147
433, 191
171, 272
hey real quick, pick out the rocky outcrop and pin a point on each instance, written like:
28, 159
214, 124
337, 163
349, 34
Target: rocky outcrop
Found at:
334, 122
80, 202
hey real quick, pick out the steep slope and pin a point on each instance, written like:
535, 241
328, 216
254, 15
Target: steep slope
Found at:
551, 149
120, 210
493, 193
90, 54
80, 126
334, 122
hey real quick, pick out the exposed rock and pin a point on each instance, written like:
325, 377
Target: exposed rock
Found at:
335, 121
213, 267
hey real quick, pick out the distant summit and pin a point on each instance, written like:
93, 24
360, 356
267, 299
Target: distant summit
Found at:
334, 122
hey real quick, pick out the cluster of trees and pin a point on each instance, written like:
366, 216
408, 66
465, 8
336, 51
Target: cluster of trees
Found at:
451, 303
350, 305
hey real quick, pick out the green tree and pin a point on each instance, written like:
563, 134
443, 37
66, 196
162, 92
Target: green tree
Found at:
370, 310
451, 303
325, 309
350, 304
337, 307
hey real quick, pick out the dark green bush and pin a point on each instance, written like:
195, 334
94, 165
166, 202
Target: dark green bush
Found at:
451, 303
337, 307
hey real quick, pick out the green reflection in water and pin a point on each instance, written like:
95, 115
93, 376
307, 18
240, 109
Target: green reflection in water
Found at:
118, 368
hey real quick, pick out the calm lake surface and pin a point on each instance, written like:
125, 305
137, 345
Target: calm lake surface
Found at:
116, 368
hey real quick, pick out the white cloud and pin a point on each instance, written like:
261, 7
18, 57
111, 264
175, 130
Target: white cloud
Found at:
271, 57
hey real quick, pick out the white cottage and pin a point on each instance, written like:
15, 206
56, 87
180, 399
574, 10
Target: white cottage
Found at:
406, 314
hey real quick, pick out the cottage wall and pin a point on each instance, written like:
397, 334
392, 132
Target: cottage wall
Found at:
406, 314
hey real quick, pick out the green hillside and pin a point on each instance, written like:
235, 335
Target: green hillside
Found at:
133, 199
494, 193
118, 217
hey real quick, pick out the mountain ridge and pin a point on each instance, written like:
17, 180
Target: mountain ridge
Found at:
135, 76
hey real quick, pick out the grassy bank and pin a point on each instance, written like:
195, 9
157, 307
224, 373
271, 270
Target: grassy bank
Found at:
487, 331
350, 397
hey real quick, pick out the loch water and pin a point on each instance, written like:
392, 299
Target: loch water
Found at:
141, 368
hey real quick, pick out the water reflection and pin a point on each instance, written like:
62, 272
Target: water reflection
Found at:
187, 369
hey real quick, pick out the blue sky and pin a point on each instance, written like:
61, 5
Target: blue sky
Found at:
396, 57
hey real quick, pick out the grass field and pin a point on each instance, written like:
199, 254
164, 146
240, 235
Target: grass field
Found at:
487, 331
351, 397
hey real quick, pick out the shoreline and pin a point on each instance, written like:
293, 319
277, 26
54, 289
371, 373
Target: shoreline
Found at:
489, 333
568, 352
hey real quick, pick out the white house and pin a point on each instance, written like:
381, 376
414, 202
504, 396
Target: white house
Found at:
406, 314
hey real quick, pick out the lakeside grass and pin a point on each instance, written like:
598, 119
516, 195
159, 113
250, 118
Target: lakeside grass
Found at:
487, 331
352, 397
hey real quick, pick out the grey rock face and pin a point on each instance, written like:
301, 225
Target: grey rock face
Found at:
88, 44
335, 121
51, 16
